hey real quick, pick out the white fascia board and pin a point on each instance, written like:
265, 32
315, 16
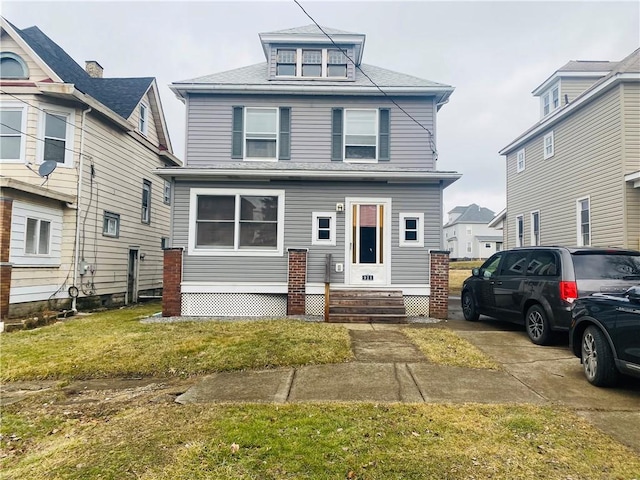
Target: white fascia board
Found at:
500, 216
633, 178
567, 74
567, 110
210, 174
14, 184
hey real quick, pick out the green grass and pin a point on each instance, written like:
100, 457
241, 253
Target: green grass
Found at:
116, 344
444, 347
310, 441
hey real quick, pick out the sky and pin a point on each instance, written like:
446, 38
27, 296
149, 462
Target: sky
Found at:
494, 54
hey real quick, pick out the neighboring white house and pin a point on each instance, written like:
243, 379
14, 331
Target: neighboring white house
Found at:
467, 233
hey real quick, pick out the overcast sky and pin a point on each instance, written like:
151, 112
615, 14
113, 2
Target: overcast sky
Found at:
493, 53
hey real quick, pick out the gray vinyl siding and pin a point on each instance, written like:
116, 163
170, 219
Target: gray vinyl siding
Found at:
409, 265
209, 127
273, 54
587, 162
572, 87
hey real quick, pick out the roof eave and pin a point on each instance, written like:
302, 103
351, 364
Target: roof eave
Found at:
567, 74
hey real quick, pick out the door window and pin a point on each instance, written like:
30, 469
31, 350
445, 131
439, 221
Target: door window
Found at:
515, 263
490, 266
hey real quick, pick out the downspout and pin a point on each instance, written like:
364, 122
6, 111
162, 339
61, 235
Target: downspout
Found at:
78, 210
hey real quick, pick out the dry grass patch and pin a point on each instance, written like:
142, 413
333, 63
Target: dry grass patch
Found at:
459, 272
116, 344
314, 441
444, 347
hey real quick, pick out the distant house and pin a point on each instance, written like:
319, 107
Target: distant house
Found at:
83, 214
467, 233
574, 177
307, 155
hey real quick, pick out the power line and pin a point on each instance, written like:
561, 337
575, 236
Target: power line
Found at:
432, 144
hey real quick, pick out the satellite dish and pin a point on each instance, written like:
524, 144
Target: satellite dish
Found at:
47, 168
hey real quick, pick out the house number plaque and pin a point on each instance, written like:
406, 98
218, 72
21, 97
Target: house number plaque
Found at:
367, 277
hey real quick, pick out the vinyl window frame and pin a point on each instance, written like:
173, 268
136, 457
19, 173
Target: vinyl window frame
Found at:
38, 237
106, 218
143, 118
520, 160
166, 192
247, 135
69, 119
580, 224
535, 234
548, 146
419, 217
193, 249
24, 110
519, 230
374, 134
298, 65
315, 239
145, 213
18, 59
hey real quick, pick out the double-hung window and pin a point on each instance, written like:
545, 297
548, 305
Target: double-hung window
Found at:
412, 229
261, 133
535, 228
324, 228
13, 124
143, 118
551, 100
325, 63
584, 222
519, 231
548, 145
111, 225
311, 63
37, 237
236, 222
520, 160
336, 64
146, 202
286, 62
56, 133
360, 135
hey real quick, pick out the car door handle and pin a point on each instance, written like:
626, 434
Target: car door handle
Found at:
498, 283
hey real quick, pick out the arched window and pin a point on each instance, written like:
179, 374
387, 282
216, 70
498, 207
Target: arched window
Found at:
12, 66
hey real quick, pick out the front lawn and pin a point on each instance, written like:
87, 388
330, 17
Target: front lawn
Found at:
307, 441
116, 344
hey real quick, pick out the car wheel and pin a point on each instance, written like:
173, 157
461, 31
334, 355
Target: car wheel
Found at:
537, 325
597, 358
468, 307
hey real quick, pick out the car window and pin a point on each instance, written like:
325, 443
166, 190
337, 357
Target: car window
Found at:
515, 263
597, 266
490, 266
543, 264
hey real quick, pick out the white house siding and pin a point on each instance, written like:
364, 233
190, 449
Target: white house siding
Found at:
587, 162
301, 199
120, 165
152, 131
209, 127
458, 243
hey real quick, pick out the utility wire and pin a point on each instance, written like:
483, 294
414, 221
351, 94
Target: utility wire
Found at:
432, 144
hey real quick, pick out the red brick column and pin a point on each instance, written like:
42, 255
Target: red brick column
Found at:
171, 279
6, 209
439, 280
297, 281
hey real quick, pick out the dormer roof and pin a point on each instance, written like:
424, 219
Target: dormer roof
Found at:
577, 69
314, 35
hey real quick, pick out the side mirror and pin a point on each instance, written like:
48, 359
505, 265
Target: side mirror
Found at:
633, 294
475, 272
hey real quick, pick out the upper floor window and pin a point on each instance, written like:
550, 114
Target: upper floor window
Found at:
56, 133
520, 160
12, 66
584, 222
13, 123
360, 135
311, 62
519, 231
143, 118
548, 145
146, 202
551, 100
166, 198
111, 224
261, 133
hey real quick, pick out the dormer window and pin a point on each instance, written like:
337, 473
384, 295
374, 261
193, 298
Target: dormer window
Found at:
311, 63
551, 100
143, 118
12, 66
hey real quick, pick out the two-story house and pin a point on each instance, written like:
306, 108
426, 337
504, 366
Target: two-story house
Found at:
467, 233
574, 177
309, 154
83, 213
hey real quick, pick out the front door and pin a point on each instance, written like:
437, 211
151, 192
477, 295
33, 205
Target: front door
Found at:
368, 245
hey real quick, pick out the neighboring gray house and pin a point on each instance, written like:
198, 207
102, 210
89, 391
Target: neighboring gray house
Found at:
304, 153
574, 177
467, 233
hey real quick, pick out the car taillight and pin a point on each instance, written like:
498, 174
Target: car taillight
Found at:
568, 291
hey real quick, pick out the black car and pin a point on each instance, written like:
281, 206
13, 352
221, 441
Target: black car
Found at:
537, 286
605, 334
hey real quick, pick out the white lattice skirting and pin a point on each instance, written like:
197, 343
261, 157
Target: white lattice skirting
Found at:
416, 305
233, 304
314, 305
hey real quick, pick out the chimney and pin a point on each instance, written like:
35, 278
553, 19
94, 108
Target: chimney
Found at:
94, 69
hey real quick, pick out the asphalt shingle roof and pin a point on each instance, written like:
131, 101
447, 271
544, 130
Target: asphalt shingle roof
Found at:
121, 95
472, 214
310, 29
587, 66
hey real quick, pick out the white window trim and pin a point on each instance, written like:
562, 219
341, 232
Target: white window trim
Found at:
143, 120
376, 134
14, 106
324, 64
533, 239
193, 212
166, 193
579, 222
146, 219
520, 166
21, 62
419, 242
331, 241
544, 145
69, 140
519, 241
22, 211
37, 242
244, 135
548, 94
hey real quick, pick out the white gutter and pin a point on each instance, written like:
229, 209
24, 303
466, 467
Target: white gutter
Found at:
567, 109
78, 209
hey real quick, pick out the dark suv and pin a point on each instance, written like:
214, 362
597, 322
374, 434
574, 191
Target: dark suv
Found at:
536, 286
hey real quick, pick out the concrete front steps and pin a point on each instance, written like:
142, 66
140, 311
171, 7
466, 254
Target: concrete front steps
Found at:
367, 306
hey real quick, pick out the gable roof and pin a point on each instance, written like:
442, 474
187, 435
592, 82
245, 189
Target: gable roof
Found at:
472, 214
626, 69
